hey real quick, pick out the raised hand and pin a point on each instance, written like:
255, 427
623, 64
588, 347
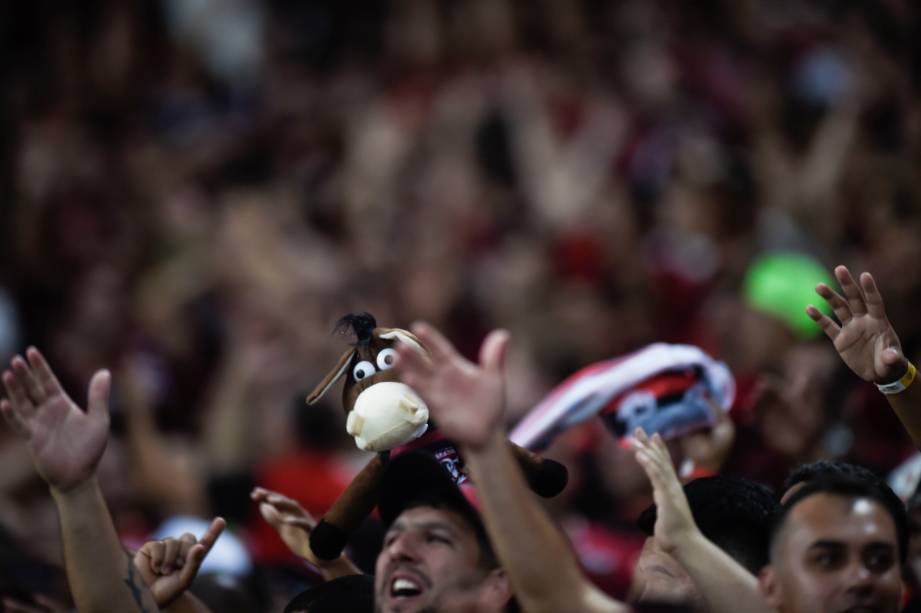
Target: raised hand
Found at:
292, 522
168, 567
294, 525
865, 339
708, 449
466, 399
674, 521
65, 442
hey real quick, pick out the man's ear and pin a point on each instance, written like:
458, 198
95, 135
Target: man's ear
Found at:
770, 587
497, 590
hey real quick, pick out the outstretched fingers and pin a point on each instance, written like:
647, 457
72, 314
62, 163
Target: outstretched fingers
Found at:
837, 303
852, 293
27, 380
13, 419
874, 299
493, 351
653, 456
829, 327
43, 373
214, 531
15, 391
438, 346
645, 454
304, 523
98, 395
270, 514
412, 366
196, 554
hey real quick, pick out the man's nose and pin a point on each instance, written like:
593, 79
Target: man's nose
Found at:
859, 577
404, 546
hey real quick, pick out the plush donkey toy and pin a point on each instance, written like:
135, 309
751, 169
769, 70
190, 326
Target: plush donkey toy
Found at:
387, 416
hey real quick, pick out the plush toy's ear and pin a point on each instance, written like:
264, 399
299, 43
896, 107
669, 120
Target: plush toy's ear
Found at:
407, 337
330, 379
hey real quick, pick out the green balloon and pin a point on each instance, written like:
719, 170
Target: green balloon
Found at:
782, 284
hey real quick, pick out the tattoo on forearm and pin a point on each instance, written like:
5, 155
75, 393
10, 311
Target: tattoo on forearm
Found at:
133, 586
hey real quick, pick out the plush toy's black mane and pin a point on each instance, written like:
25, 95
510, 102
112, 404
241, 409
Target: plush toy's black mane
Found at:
360, 324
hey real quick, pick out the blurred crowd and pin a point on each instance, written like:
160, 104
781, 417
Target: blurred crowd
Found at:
194, 193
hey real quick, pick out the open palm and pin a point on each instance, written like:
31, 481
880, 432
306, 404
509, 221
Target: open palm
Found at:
865, 339
466, 399
65, 442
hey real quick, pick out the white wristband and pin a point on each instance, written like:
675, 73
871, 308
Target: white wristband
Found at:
902, 384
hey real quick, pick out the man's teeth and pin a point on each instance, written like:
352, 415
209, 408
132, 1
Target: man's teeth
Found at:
404, 587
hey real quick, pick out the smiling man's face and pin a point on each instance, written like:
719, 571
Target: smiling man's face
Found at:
431, 562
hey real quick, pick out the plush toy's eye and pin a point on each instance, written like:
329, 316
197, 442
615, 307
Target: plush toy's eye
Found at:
363, 369
386, 358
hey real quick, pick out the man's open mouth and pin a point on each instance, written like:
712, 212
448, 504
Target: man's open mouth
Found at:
403, 587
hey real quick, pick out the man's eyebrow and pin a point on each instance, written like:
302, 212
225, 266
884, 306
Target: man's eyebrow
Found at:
400, 526
827, 544
439, 525
396, 526
880, 545
830, 544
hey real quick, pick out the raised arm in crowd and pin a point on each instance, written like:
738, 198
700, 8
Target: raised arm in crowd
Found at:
66, 444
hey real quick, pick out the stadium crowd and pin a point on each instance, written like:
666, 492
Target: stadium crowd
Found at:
195, 192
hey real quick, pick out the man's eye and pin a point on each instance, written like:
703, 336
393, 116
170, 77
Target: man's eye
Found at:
879, 561
437, 538
827, 560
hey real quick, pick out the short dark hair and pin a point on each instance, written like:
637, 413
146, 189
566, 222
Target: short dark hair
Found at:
849, 488
735, 514
823, 469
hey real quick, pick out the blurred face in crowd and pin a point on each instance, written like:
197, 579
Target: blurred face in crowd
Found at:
834, 554
659, 578
914, 543
431, 562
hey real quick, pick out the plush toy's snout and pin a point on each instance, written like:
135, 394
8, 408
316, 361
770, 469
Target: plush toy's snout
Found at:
385, 415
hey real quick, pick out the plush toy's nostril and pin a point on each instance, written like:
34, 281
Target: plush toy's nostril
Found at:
416, 412
354, 423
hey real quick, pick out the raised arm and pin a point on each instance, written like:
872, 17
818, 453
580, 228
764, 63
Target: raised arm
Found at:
467, 401
868, 344
722, 581
66, 444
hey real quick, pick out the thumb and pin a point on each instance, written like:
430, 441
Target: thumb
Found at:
892, 356
494, 350
97, 403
